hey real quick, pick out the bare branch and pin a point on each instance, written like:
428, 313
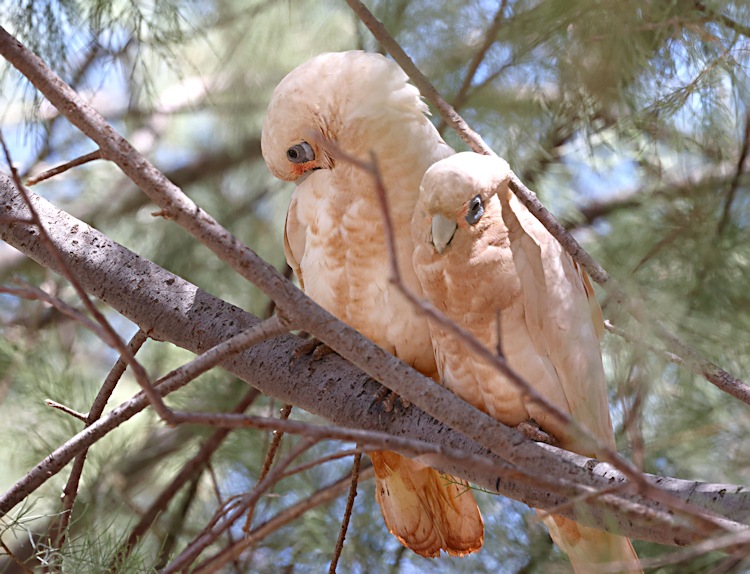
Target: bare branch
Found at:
322, 496
202, 541
189, 470
91, 156
347, 513
171, 309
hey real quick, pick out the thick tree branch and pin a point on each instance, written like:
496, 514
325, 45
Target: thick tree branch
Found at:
295, 306
169, 308
301, 311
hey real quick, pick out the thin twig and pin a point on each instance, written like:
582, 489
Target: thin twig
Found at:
322, 460
91, 156
206, 538
190, 469
347, 513
273, 448
489, 39
66, 410
318, 498
70, 491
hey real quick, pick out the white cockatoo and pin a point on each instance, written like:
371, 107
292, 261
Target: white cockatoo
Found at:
335, 243
491, 267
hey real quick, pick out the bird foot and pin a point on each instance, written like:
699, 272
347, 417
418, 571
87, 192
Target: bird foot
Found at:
313, 347
532, 430
388, 399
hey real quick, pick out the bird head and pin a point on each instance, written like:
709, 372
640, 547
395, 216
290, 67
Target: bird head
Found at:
458, 200
334, 97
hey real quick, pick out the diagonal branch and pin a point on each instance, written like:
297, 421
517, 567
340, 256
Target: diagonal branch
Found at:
735, 183
489, 39
296, 307
320, 497
70, 491
170, 309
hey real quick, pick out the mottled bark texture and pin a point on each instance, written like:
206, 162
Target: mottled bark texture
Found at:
171, 309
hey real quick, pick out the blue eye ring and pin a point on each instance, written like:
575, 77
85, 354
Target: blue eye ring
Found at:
475, 211
300, 153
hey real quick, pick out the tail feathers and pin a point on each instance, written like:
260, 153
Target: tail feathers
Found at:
586, 547
428, 512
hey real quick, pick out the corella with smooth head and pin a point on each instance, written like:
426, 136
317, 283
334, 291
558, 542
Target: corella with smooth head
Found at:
493, 269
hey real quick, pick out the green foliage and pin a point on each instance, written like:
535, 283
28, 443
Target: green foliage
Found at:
589, 101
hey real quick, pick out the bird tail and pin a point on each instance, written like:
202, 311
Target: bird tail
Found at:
425, 510
586, 547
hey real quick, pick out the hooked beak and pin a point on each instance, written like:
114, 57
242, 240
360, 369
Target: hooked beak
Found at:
443, 230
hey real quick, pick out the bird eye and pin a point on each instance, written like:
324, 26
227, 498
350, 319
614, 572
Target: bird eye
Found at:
475, 211
300, 153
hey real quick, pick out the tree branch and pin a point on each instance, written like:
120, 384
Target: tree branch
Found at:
171, 309
301, 311
490, 36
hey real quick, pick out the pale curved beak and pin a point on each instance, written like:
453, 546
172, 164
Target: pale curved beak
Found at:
443, 230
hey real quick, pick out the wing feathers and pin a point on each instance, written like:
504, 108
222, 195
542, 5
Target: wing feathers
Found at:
568, 332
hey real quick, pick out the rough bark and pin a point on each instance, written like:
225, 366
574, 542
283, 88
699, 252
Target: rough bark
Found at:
171, 309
